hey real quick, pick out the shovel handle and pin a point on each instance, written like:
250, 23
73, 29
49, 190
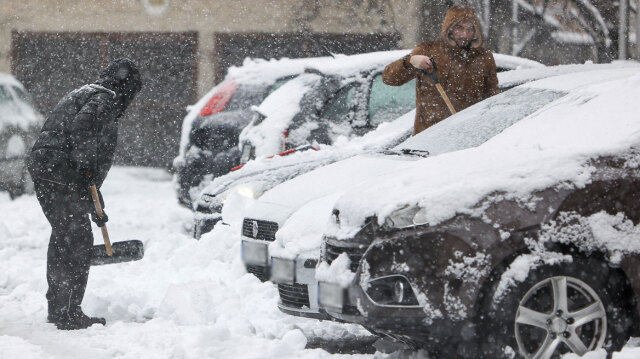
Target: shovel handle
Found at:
105, 234
446, 99
433, 75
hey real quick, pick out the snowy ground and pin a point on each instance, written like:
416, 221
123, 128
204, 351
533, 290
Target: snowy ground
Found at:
185, 299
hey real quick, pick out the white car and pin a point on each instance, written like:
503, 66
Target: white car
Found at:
299, 236
19, 127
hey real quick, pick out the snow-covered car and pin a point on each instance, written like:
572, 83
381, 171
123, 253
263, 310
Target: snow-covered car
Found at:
299, 237
209, 142
359, 74
20, 123
329, 104
526, 246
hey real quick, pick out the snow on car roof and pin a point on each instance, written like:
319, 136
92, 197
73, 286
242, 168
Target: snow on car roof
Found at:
515, 62
346, 66
514, 78
549, 147
260, 71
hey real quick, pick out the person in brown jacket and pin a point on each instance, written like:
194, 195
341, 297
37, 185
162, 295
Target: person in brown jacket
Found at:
465, 69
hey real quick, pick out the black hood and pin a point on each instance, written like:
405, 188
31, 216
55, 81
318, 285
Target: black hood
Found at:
122, 76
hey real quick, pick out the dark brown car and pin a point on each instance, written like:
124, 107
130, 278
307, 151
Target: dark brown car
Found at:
535, 276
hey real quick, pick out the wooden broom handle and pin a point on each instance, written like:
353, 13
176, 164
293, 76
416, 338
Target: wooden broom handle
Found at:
445, 98
105, 234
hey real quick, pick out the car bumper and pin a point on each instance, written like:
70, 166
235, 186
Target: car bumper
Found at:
299, 293
407, 323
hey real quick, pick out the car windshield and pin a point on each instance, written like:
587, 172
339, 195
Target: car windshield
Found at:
478, 123
21, 95
4, 95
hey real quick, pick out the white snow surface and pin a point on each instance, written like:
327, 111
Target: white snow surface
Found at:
185, 299
548, 147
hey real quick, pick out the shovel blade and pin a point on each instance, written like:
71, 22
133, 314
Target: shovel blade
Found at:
125, 251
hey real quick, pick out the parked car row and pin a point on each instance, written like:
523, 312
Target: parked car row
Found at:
353, 240
19, 127
336, 101
507, 230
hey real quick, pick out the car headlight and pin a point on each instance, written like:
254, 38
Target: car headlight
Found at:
406, 216
391, 290
246, 191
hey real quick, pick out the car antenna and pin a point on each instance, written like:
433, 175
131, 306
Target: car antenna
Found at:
318, 44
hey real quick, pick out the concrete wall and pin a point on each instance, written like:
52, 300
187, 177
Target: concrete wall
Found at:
207, 18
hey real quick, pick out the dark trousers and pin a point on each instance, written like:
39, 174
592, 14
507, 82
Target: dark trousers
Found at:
68, 256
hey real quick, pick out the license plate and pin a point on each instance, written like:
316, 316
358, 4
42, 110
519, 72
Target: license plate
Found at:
283, 270
255, 253
330, 296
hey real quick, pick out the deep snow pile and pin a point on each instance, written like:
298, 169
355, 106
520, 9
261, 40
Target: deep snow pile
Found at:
185, 299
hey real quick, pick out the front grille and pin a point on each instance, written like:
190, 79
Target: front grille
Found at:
294, 295
259, 271
266, 230
354, 253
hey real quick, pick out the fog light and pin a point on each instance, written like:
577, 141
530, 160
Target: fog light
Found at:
391, 290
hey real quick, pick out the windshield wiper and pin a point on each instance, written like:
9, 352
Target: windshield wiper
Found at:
407, 152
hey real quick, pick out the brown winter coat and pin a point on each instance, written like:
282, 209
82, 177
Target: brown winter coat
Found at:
467, 76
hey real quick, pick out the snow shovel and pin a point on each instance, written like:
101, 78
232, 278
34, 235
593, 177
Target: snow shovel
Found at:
434, 77
125, 251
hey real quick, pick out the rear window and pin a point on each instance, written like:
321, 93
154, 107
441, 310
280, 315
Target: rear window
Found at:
480, 122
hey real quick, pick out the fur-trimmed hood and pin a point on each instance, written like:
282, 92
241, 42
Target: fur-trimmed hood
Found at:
454, 15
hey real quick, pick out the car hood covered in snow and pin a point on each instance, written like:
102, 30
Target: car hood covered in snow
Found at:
553, 146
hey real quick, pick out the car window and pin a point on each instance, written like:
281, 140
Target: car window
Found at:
21, 94
386, 103
339, 106
279, 84
4, 95
480, 122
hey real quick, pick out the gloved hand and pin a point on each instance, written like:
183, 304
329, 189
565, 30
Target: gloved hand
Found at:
99, 221
86, 178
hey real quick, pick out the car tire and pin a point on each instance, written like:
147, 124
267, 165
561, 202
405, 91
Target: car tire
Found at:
509, 329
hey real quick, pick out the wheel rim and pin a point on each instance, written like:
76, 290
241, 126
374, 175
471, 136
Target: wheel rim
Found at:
560, 315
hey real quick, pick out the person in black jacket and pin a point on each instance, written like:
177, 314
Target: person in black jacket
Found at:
74, 151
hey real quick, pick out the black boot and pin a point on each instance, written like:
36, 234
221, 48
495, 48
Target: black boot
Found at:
79, 320
65, 319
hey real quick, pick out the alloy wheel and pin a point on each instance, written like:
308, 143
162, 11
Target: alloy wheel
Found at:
560, 315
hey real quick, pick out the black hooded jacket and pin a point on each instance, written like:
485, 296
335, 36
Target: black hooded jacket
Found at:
80, 135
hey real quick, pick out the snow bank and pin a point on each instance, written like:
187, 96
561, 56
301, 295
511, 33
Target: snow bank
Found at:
185, 299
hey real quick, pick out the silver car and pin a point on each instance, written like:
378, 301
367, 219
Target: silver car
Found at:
19, 126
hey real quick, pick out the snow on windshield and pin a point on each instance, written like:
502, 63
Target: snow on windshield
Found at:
480, 122
546, 148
